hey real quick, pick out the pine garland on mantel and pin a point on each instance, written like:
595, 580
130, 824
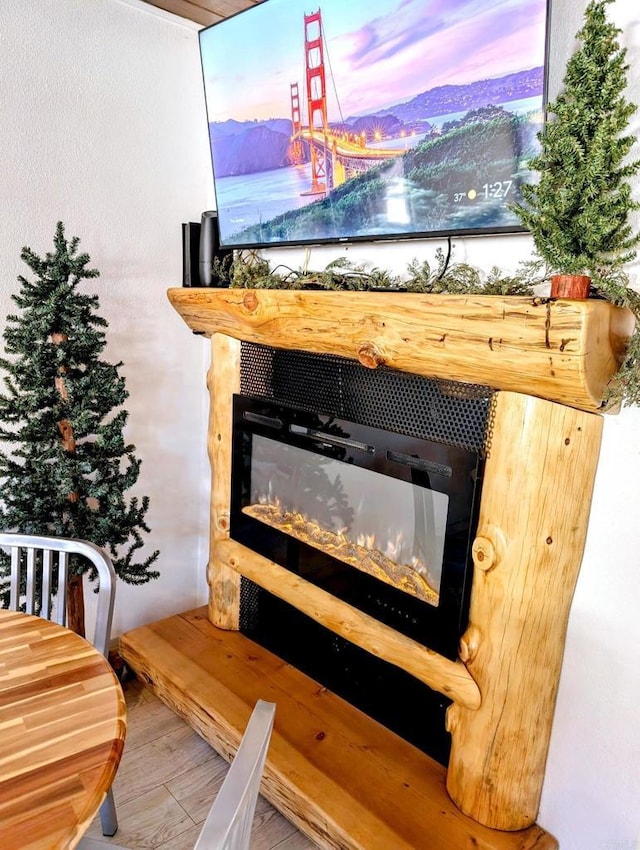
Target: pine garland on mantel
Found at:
249, 270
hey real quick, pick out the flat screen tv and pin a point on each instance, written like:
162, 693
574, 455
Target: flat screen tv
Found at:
345, 120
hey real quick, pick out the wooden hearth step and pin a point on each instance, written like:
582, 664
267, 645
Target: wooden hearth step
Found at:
339, 776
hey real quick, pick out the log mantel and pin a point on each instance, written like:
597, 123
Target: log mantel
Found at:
564, 351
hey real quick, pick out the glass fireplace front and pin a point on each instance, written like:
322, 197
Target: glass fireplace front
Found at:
380, 520
389, 528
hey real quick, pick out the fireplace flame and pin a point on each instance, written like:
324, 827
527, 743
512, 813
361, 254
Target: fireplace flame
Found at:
364, 552
393, 548
342, 536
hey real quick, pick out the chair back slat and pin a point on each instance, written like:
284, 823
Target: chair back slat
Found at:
14, 586
31, 581
61, 599
47, 600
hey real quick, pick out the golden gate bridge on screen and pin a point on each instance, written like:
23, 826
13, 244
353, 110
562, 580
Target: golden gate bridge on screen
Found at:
335, 155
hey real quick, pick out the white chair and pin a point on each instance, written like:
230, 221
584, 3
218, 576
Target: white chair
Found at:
35, 562
228, 825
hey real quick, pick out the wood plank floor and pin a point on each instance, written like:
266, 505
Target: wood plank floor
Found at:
167, 780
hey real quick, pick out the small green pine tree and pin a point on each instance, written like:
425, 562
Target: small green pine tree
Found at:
578, 212
67, 467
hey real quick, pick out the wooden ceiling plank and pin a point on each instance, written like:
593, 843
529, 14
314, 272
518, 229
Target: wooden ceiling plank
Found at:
190, 11
225, 8
204, 12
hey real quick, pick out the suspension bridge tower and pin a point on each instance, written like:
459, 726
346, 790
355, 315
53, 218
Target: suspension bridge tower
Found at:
316, 100
296, 154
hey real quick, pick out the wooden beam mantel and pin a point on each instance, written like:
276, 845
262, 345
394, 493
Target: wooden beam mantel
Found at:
564, 351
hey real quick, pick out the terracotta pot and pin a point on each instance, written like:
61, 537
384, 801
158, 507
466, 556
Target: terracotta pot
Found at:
570, 285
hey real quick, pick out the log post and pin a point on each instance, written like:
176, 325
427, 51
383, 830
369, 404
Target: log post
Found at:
450, 678
223, 380
532, 527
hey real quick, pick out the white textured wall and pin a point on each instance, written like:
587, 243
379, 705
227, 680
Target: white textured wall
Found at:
103, 126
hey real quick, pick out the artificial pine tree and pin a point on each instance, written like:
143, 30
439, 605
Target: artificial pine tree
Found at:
578, 212
67, 467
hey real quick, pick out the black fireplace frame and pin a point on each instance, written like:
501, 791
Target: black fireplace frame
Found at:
444, 468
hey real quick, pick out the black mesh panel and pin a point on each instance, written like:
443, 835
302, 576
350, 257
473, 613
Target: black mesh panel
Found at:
446, 411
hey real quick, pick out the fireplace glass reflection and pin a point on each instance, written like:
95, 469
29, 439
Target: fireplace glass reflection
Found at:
389, 528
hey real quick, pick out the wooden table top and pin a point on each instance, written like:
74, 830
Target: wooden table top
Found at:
62, 729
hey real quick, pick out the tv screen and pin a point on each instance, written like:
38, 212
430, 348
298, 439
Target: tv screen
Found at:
344, 120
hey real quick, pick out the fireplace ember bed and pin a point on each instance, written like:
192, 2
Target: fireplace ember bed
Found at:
341, 777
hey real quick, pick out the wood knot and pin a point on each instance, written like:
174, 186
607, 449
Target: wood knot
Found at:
250, 301
484, 554
488, 548
452, 718
469, 644
370, 356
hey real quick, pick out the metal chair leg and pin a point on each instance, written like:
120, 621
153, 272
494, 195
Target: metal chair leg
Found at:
108, 817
